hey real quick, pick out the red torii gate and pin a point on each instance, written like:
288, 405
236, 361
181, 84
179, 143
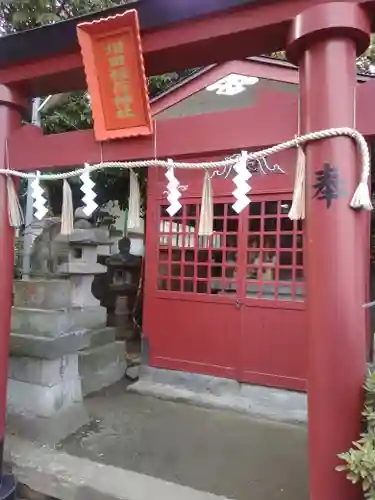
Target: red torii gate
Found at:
323, 38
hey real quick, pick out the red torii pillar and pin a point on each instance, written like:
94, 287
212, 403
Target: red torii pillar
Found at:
10, 119
324, 41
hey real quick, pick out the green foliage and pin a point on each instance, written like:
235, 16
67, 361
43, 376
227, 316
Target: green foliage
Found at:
19, 15
73, 114
365, 63
360, 459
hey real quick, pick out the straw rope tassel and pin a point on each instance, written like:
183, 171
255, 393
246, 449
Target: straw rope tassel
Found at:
67, 211
298, 208
134, 203
206, 218
15, 213
362, 197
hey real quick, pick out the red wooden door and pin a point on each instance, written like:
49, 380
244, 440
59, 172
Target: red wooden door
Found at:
193, 318
232, 304
273, 333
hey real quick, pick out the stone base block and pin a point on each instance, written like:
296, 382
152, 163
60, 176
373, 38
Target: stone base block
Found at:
54, 323
101, 366
110, 375
42, 401
102, 337
48, 348
54, 347
44, 372
42, 294
97, 359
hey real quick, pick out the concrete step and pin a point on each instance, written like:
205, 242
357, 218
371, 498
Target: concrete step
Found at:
42, 294
53, 323
96, 359
62, 476
214, 392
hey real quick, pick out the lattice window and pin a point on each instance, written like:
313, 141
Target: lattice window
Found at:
274, 267
189, 263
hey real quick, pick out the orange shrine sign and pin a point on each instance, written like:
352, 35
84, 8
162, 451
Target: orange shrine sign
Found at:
115, 74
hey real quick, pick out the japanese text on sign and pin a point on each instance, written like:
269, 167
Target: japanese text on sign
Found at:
120, 78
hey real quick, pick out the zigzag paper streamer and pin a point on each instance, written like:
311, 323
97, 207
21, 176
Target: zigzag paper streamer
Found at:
90, 195
243, 175
173, 192
39, 200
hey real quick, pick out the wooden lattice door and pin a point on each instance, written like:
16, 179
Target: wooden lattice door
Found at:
198, 325
230, 304
273, 319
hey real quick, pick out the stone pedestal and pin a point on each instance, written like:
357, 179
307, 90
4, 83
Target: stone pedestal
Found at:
43, 387
103, 363
44, 398
60, 346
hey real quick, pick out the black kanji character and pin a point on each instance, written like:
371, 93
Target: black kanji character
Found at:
327, 186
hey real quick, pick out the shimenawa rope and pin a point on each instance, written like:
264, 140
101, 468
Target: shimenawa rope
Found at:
360, 199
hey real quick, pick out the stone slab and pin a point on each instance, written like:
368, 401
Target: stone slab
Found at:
213, 392
96, 381
49, 347
83, 268
40, 401
52, 348
45, 372
53, 323
97, 359
66, 477
42, 294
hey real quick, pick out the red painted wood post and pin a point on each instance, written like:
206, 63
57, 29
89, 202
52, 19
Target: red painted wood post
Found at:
10, 120
324, 41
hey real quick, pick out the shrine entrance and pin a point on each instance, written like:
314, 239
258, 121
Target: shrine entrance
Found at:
323, 38
231, 304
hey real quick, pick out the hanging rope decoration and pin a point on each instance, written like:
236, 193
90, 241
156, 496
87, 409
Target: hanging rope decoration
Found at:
173, 192
360, 200
87, 188
39, 200
240, 180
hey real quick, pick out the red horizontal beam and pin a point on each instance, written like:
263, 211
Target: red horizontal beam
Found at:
220, 132
206, 134
251, 30
201, 135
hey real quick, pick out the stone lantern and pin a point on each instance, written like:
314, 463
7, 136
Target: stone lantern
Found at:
123, 276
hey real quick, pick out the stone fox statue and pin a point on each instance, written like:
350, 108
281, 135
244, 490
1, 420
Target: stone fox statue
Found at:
47, 252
